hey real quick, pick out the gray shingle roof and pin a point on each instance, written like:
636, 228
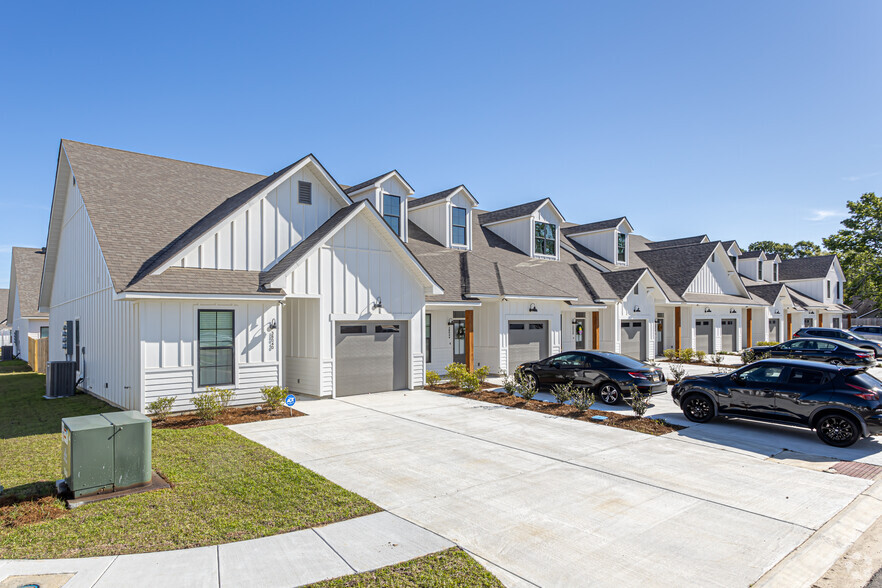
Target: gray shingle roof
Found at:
750, 254
766, 292
366, 183
27, 267
805, 268
512, 212
622, 282
678, 266
804, 300
187, 280
432, 197
677, 242
596, 226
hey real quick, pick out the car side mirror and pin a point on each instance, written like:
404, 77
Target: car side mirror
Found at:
556, 365
736, 378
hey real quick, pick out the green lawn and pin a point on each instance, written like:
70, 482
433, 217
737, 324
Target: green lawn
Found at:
446, 569
227, 488
14, 365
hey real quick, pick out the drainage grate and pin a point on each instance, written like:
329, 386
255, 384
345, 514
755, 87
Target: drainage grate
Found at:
857, 470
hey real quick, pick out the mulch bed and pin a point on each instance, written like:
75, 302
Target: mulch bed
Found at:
17, 512
231, 416
614, 419
705, 363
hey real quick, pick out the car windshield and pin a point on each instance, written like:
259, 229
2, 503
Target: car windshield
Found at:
623, 361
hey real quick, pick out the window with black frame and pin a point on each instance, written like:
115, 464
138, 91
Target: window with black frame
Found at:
428, 338
621, 247
546, 239
216, 347
392, 212
459, 225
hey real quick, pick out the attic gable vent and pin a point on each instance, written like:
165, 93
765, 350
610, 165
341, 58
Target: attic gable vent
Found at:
304, 192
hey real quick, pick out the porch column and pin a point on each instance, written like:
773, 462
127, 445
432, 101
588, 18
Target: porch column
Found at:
470, 340
820, 320
789, 326
750, 327
848, 319
677, 328
595, 330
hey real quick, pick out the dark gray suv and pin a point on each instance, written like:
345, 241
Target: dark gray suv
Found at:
842, 335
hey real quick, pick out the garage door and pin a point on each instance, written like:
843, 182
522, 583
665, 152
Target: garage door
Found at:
730, 335
370, 357
634, 339
527, 341
704, 336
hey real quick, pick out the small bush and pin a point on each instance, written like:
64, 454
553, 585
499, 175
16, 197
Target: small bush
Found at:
161, 407
526, 389
583, 397
638, 401
224, 396
700, 355
717, 359
509, 384
432, 378
482, 373
273, 396
686, 355
767, 343
208, 405
671, 354
562, 393
455, 373
471, 382
677, 372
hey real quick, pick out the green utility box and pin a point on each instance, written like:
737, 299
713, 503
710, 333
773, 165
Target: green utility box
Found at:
103, 453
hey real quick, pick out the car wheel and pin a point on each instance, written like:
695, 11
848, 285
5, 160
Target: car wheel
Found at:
698, 408
609, 393
534, 381
838, 430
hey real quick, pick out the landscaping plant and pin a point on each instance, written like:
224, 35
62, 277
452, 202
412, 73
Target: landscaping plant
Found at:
432, 378
273, 396
686, 355
508, 384
767, 343
717, 359
638, 401
471, 382
583, 397
677, 372
525, 387
208, 405
161, 407
224, 396
671, 354
482, 373
700, 355
562, 393
455, 373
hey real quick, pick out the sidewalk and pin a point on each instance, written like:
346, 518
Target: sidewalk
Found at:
291, 559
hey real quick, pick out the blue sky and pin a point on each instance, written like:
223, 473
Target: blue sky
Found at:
744, 120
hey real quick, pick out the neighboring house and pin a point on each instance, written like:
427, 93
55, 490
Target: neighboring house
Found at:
5, 328
23, 315
175, 277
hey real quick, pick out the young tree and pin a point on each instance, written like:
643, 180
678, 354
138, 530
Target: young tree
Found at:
859, 247
785, 250
806, 249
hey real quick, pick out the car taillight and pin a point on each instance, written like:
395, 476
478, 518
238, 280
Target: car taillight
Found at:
864, 393
638, 375
864, 355
796, 335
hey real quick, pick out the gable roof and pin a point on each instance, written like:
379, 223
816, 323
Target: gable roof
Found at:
767, 292
751, 254
376, 180
439, 196
513, 212
678, 266
596, 226
622, 282
805, 268
26, 274
677, 242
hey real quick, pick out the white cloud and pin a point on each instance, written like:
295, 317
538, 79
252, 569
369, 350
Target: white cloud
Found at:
859, 178
822, 215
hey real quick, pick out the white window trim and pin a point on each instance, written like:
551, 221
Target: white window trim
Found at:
533, 253
616, 234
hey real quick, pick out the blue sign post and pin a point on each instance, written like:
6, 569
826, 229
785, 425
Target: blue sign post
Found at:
289, 402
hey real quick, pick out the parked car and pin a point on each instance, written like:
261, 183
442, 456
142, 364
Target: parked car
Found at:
829, 350
867, 332
841, 403
610, 375
841, 335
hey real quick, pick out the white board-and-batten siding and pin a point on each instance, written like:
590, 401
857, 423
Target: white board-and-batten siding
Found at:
170, 341
714, 278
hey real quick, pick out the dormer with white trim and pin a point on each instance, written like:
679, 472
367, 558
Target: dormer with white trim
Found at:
770, 267
446, 216
388, 193
750, 265
534, 227
733, 251
609, 239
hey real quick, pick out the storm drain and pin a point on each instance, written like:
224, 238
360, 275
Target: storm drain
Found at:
857, 470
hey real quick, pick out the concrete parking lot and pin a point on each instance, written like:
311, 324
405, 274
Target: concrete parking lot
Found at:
551, 501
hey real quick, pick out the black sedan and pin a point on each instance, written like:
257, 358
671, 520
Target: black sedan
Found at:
829, 350
839, 335
842, 403
610, 375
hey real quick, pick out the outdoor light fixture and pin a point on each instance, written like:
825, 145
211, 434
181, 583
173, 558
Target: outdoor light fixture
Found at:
733, 311
533, 308
272, 325
811, 312
777, 311
377, 304
636, 308
450, 323
707, 309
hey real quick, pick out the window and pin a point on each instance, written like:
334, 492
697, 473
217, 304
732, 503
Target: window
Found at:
836, 323
536, 326
304, 192
713, 257
569, 360
428, 338
44, 332
775, 273
636, 288
759, 270
516, 326
621, 247
387, 329
825, 346
392, 212
459, 226
734, 260
353, 330
838, 294
765, 374
546, 239
804, 377
828, 288
216, 355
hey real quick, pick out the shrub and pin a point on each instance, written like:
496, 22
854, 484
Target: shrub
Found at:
273, 396
671, 354
208, 405
700, 355
224, 396
717, 359
638, 401
767, 343
686, 355
677, 372
455, 373
482, 373
471, 382
161, 407
432, 378
562, 393
524, 385
583, 397
509, 384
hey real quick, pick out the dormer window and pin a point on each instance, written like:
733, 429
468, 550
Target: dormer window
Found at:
828, 288
759, 271
459, 225
622, 248
734, 260
546, 239
392, 212
775, 273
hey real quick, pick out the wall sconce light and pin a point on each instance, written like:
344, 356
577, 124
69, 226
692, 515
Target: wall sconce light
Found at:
733, 311
272, 325
636, 308
811, 312
533, 308
777, 311
377, 304
707, 309
450, 323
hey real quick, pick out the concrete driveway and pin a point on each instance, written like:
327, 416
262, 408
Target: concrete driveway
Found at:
553, 502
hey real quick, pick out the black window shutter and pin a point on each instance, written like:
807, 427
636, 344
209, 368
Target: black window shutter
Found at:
304, 192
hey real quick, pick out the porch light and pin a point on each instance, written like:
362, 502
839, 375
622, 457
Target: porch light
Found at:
811, 312
733, 311
533, 308
450, 323
377, 304
636, 308
777, 311
707, 309
272, 325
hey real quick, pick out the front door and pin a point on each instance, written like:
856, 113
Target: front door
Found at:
660, 335
580, 333
459, 341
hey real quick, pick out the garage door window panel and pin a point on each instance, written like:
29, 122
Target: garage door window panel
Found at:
216, 348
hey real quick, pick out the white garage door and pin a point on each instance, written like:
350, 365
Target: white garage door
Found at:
634, 339
527, 341
730, 334
370, 357
704, 336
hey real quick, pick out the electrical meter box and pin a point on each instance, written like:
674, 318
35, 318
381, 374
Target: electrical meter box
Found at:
103, 453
